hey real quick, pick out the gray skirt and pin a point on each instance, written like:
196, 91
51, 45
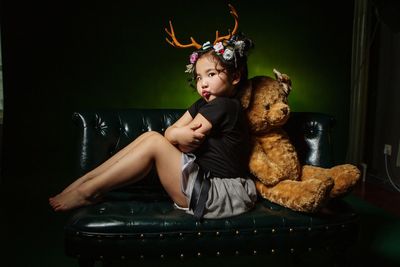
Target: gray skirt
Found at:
227, 196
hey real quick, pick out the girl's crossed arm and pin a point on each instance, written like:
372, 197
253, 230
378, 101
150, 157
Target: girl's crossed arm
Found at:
188, 133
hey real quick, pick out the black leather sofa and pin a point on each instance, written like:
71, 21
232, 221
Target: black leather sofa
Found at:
139, 222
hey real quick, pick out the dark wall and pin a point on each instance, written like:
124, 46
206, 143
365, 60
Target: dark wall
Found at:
61, 56
383, 125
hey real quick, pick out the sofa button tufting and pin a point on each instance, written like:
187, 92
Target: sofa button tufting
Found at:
291, 230
218, 253
237, 232
309, 249
254, 252
273, 251
292, 250
236, 252
199, 234
273, 231
198, 254
181, 256
217, 233
255, 231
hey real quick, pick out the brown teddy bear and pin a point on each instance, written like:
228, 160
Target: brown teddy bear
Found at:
274, 162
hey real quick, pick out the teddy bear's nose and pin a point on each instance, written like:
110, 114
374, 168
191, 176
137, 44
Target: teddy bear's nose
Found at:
285, 111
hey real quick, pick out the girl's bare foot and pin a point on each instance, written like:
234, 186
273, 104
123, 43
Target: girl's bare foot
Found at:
70, 200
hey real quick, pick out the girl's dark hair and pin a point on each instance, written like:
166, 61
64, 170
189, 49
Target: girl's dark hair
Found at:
237, 64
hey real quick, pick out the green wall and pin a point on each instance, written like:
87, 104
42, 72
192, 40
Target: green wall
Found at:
63, 56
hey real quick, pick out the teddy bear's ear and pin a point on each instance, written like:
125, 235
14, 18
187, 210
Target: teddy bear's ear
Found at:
245, 94
284, 80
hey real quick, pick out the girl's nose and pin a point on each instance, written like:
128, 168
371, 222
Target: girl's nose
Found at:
204, 83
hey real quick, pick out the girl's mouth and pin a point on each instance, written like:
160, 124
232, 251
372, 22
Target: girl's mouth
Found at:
206, 94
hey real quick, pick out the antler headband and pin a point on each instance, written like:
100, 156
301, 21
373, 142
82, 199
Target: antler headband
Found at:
175, 43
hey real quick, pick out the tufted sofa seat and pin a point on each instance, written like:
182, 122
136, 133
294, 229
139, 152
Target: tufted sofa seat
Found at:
139, 222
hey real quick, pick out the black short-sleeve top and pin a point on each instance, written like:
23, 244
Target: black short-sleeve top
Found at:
225, 151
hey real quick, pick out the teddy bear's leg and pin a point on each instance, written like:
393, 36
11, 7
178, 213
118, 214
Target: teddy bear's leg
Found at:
345, 176
305, 196
314, 172
274, 159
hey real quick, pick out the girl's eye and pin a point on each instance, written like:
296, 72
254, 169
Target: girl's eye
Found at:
211, 74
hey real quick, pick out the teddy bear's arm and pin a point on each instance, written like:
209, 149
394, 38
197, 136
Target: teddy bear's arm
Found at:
274, 159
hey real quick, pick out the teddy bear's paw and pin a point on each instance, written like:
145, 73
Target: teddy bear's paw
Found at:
305, 196
345, 178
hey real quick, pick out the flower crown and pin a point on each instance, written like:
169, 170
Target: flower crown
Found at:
229, 47
228, 51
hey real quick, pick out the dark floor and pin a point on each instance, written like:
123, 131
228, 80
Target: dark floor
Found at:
380, 194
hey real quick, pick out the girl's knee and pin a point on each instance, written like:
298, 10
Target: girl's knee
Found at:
154, 138
150, 133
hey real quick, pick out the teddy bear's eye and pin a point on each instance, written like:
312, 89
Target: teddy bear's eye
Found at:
267, 106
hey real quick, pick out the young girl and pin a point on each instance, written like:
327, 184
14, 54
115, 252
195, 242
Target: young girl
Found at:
202, 158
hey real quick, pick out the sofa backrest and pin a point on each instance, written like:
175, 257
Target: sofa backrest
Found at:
102, 133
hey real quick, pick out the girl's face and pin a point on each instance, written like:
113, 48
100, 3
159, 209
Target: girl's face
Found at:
212, 80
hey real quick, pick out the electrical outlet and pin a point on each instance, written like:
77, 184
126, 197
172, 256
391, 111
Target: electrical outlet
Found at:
387, 150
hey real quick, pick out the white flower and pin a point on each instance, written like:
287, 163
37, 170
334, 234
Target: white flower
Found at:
239, 46
218, 47
228, 54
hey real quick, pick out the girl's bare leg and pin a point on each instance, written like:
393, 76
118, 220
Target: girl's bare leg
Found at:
131, 167
105, 165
